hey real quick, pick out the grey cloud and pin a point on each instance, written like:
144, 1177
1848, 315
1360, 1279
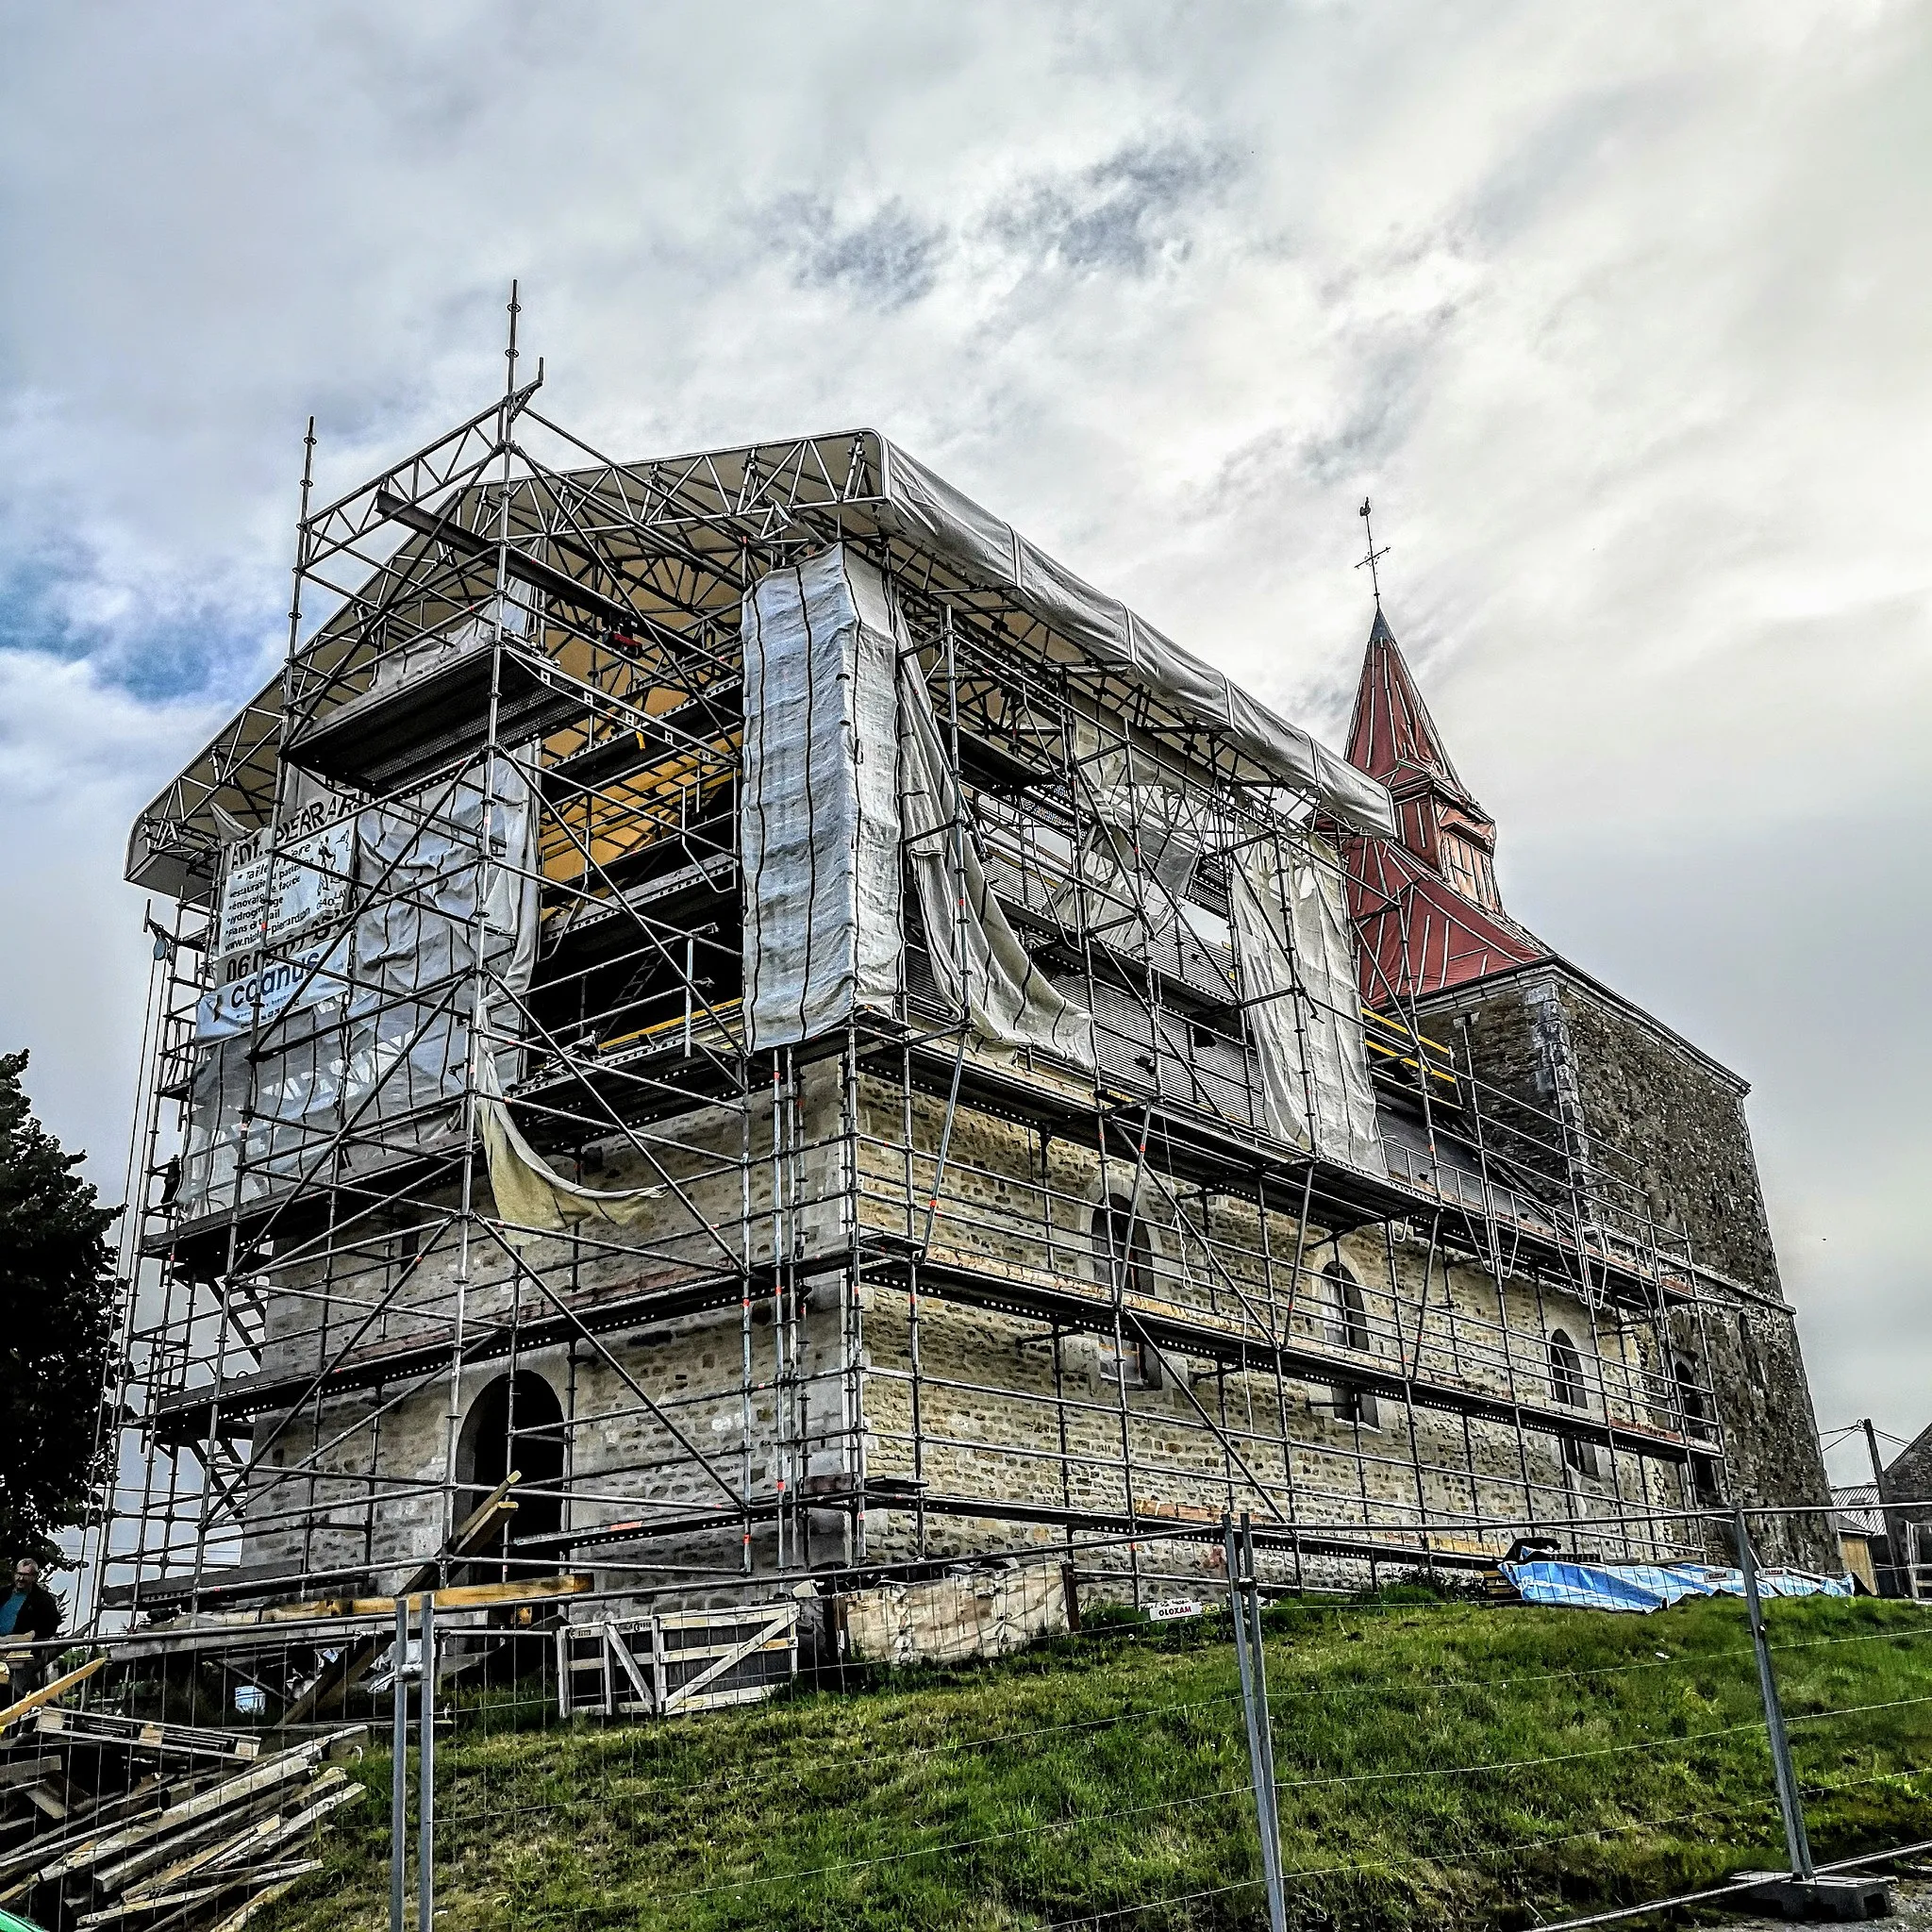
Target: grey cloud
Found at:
1124, 215
1569, 289
887, 260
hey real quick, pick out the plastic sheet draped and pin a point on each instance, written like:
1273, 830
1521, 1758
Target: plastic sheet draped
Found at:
532, 1199
452, 866
978, 959
988, 551
1298, 976
1654, 1585
843, 769
819, 812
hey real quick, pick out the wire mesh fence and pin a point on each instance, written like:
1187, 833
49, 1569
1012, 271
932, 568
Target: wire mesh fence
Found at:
1010, 1747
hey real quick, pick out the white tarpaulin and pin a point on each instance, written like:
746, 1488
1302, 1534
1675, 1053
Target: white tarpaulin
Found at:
371, 1022
836, 768
987, 551
437, 871
1298, 973
818, 811
977, 958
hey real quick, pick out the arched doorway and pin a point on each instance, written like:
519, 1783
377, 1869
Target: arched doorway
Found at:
515, 1423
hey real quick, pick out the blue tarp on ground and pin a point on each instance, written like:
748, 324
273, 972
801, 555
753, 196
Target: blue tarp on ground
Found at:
1654, 1585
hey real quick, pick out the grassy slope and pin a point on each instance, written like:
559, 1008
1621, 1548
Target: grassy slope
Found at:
1648, 1772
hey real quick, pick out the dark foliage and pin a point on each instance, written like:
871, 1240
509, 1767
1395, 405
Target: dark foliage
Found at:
57, 1290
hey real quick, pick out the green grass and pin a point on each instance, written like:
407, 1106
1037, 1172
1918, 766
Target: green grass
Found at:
1441, 1763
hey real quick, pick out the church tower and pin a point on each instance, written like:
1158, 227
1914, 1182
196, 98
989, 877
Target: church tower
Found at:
1648, 1130
1424, 903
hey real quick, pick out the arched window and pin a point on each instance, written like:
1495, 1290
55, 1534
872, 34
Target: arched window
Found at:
1125, 1260
1695, 1405
515, 1423
1566, 1372
1347, 1322
1567, 1386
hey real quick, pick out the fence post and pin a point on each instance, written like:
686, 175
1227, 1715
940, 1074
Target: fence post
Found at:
426, 1753
399, 1774
1243, 1601
1789, 1802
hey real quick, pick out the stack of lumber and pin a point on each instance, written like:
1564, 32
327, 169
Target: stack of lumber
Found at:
109, 1821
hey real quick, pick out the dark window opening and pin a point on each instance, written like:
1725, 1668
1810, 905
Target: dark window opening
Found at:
1566, 1372
1348, 1327
1693, 1401
1126, 1264
516, 1423
1567, 1386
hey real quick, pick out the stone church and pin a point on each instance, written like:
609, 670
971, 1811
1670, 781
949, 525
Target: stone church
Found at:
739, 988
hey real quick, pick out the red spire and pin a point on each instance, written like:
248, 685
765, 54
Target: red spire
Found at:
1391, 731
1426, 903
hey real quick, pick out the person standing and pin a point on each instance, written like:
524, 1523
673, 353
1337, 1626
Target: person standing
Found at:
33, 1612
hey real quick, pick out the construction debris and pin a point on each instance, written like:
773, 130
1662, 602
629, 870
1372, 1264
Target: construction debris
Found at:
109, 1818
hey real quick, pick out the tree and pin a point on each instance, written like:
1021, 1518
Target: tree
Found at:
57, 1331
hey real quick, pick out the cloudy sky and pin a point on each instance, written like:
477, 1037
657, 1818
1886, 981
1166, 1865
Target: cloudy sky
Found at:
1618, 311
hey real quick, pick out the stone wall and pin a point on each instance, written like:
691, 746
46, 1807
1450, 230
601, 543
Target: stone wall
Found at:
1659, 1134
1009, 1411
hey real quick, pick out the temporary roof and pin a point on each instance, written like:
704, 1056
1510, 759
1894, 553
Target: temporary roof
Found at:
853, 485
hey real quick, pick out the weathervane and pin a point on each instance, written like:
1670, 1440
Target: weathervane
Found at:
1375, 556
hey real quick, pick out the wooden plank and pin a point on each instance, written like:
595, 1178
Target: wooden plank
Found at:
260, 1903
117, 1877
222, 1797
463, 1597
146, 1733
49, 1692
303, 1819
263, 1835
355, 1662
149, 1796
128, 1908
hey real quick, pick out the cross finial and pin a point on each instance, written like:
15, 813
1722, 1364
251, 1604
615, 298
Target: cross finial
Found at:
1375, 556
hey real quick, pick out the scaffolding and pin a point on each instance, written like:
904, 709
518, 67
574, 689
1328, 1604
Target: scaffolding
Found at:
465, 1156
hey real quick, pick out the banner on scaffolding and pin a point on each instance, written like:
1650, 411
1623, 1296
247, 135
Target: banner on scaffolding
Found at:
359, 1043
280, 882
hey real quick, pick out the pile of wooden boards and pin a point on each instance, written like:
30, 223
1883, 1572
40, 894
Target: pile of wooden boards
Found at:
107, 1820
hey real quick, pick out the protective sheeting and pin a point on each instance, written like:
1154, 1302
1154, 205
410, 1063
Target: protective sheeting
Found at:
365, 1034
1654, 1585
532, 1198
978, 961
987, 551
1298, 976
450, 869
843, 761
819, 809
